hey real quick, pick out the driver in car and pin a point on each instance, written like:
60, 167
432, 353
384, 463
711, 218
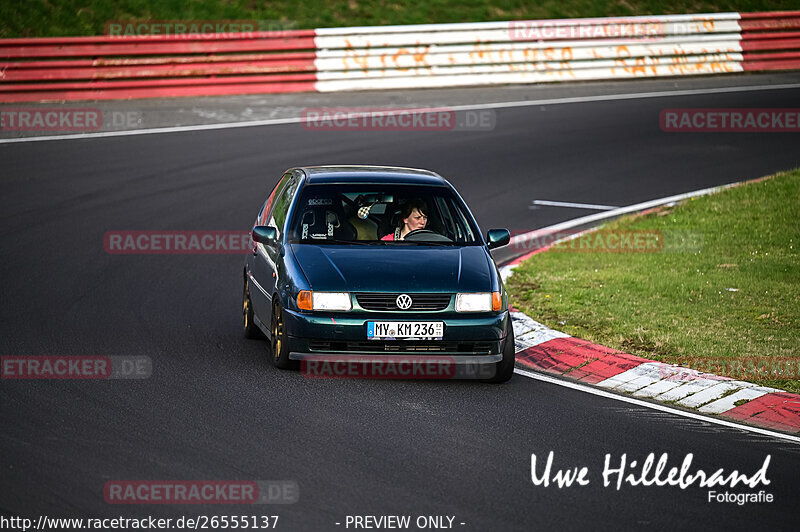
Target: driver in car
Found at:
414, 216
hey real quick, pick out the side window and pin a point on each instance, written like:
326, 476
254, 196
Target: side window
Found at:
449, 226
265, 209
283, 202
461, 223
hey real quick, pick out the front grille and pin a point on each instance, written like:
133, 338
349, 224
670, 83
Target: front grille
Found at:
388, 301
461, 348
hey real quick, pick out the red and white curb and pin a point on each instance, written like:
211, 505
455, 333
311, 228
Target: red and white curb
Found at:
542, 349
545, 350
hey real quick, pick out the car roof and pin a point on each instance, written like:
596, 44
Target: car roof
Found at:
342, 174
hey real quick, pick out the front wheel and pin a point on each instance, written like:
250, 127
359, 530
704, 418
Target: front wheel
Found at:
278, 341
505, 368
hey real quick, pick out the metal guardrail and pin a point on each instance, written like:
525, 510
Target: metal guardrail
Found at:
770, 41
108, 67
397, 57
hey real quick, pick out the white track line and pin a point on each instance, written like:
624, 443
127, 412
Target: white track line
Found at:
574, 205
654, 406
497, 105
618, 211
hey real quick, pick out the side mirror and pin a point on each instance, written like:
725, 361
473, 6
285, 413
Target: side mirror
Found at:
496, 238
266, 235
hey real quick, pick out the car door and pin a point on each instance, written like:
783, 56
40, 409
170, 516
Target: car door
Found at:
266, 264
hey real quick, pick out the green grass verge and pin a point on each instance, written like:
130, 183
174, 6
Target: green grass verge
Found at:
724, 289
47, 18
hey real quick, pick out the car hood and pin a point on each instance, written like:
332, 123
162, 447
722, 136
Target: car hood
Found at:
394, 268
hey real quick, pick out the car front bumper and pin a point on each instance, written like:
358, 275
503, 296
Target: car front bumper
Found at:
468, 339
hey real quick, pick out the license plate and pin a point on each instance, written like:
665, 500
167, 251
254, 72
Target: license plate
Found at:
414, 330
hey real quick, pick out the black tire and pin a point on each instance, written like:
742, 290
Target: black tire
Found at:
504, 369
251, 330
279, 344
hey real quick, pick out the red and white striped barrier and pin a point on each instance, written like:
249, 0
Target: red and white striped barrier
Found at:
397, 57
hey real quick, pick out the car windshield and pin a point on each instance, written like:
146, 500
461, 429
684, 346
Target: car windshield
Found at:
381, 214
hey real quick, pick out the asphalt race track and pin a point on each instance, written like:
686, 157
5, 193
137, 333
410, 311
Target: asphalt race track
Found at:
215, 409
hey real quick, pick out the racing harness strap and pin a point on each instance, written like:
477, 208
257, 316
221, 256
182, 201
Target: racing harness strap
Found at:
309, 219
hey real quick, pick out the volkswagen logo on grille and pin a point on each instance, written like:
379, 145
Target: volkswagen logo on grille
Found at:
403, 301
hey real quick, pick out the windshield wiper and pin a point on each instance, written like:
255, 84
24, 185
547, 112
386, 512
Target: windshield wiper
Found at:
427, 243
331, 241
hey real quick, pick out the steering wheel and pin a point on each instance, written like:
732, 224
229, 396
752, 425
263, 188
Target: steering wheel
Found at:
425, 235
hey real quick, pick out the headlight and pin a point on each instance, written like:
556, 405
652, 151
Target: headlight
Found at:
479, 302
309, 300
